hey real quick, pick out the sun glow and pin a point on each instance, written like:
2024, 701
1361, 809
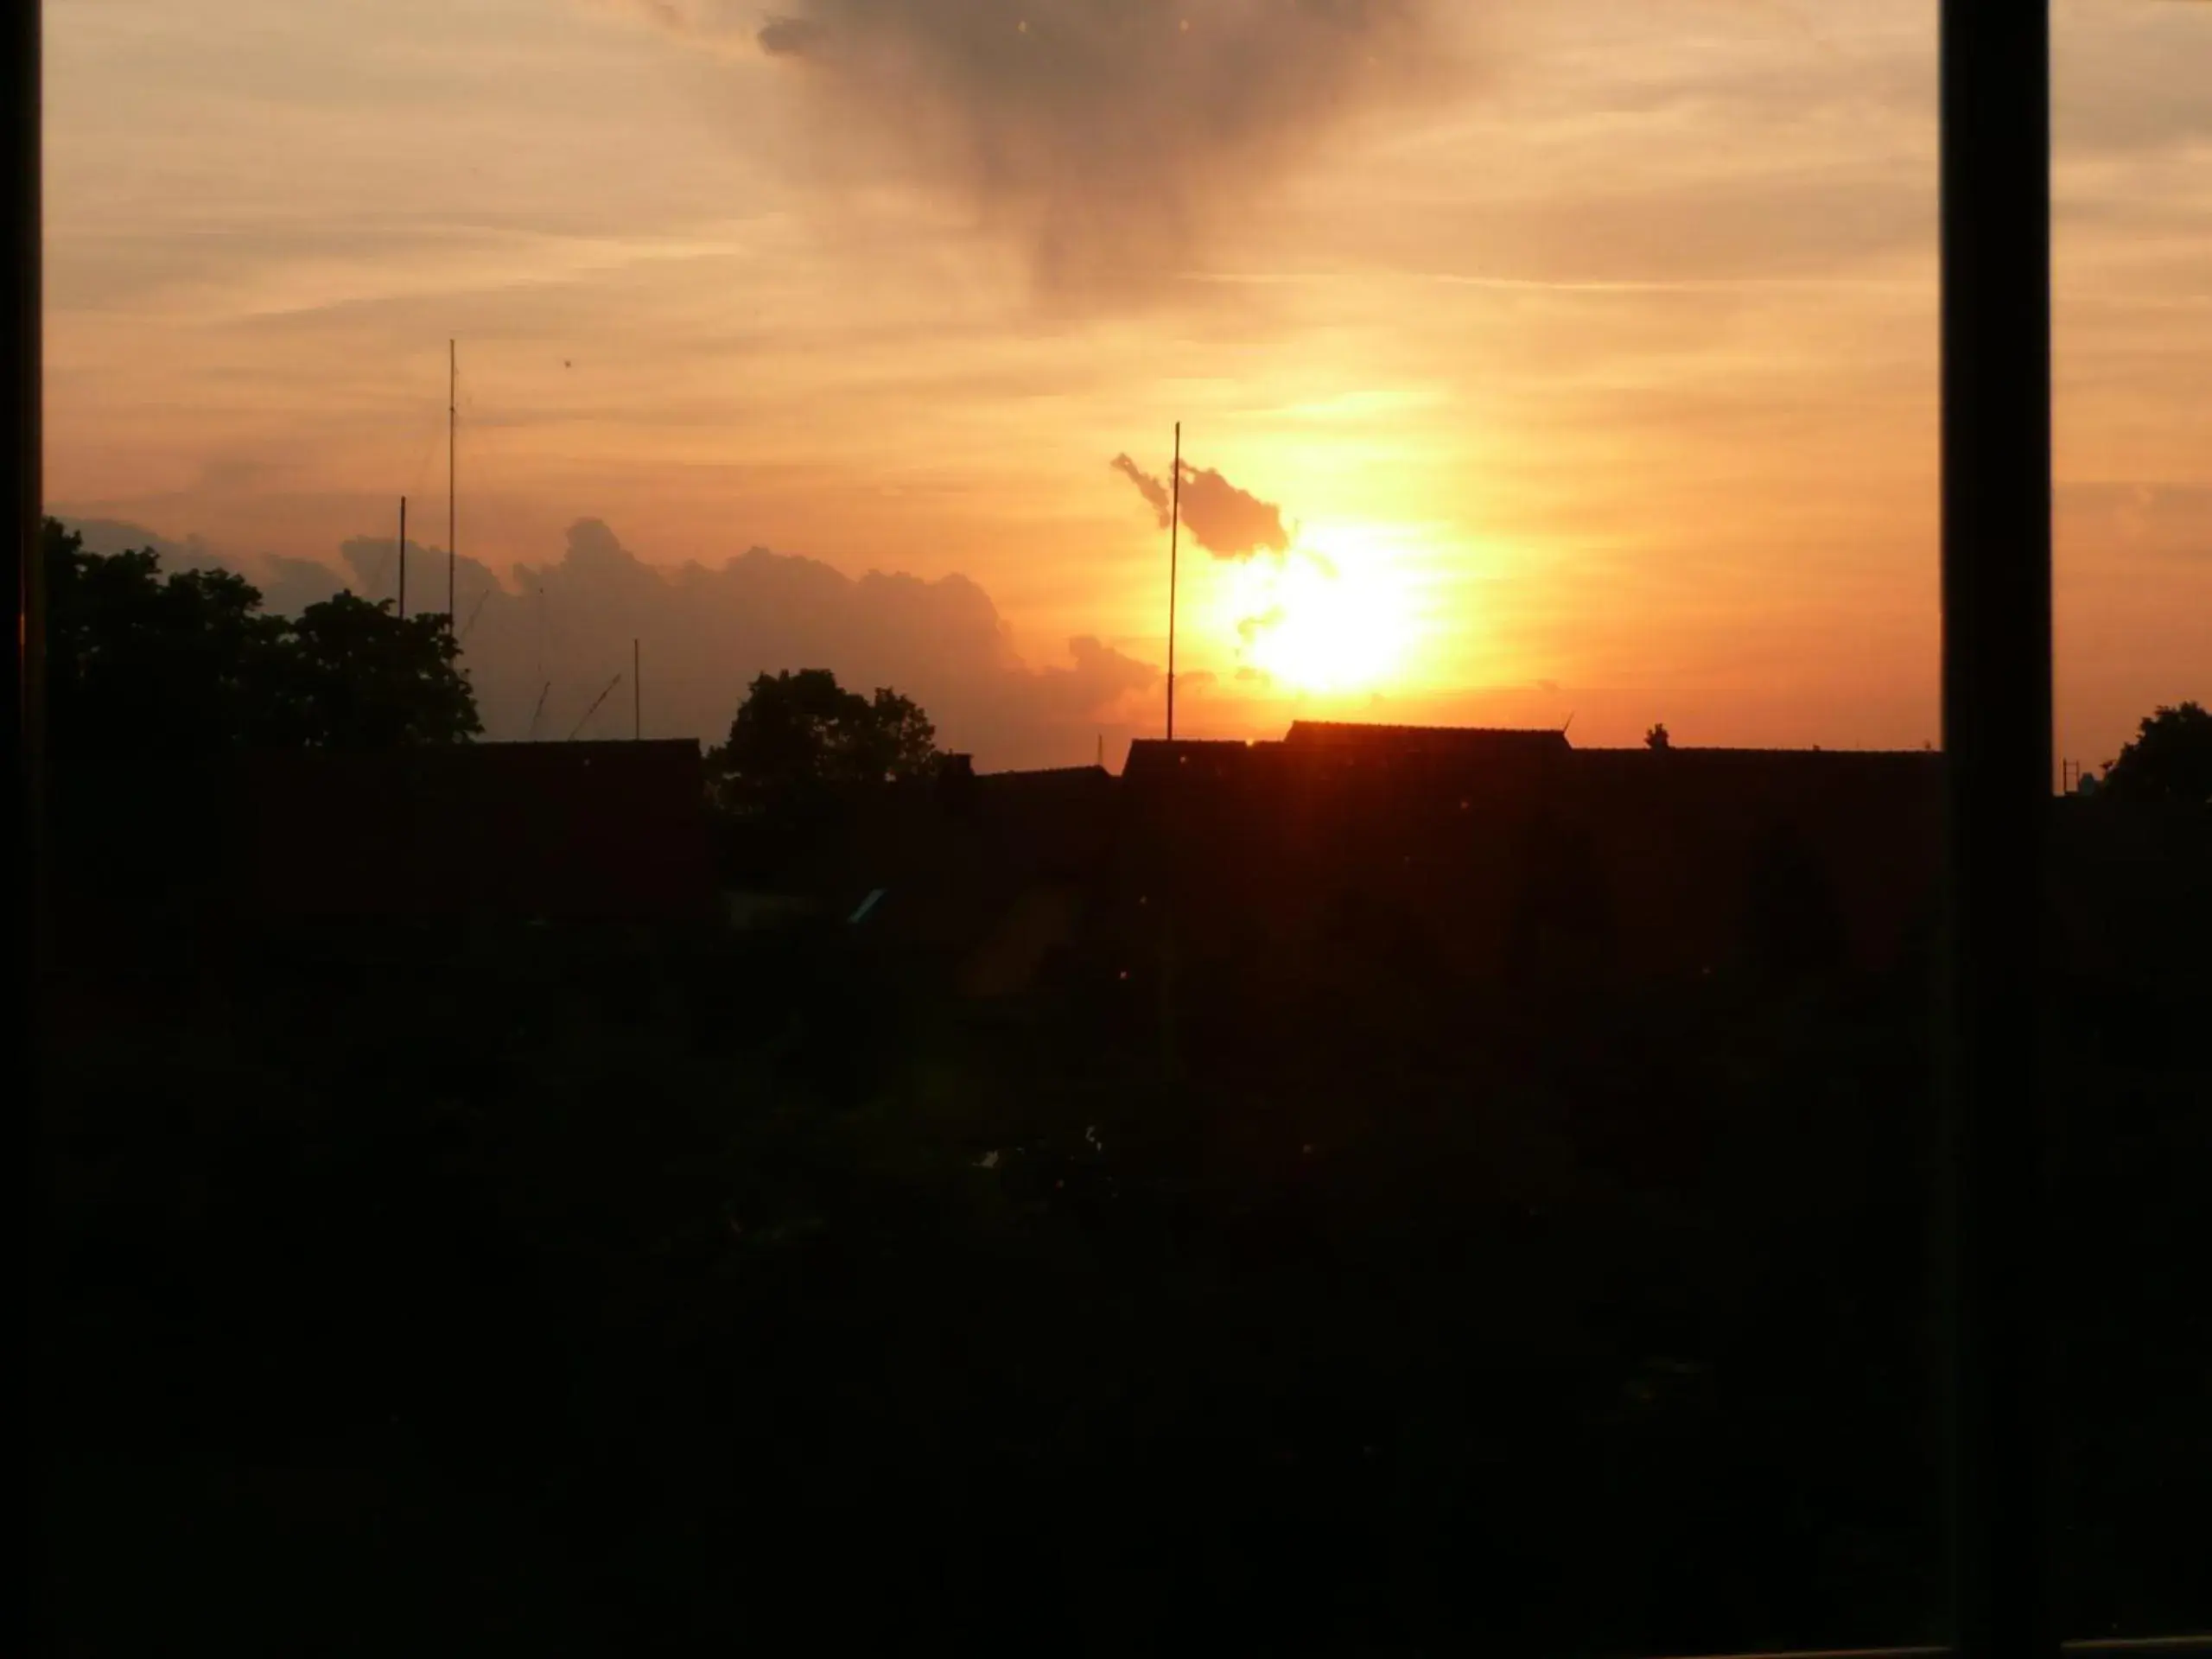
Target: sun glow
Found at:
1333, 615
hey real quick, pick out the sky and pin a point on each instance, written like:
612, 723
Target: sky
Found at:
1536, 363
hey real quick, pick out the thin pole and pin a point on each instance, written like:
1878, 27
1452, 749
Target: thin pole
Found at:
1997, 717
1175, 540
453, 455
402, 558
637, 698
1170, 899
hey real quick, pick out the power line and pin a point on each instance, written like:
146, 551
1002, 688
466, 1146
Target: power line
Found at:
594, 709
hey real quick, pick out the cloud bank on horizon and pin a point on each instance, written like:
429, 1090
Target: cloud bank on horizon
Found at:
562, 631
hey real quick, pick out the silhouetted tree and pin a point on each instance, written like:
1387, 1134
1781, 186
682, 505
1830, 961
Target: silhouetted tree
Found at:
799, 731
137, 663
2171, 760
903, 741
176, 665
357, 677
1656, 738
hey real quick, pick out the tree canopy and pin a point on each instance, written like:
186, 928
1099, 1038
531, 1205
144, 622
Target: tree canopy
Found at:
796, 731
186, 662
2169, 759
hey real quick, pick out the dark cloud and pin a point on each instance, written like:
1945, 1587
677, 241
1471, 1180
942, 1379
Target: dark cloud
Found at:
1154, 492
792, 37
1109, 138
1228, 523
705, 631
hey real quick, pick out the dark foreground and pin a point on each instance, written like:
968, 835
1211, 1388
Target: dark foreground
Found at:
550, 1294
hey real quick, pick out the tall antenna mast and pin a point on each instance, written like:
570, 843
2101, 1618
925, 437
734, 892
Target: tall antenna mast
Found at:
1174, 541
636, 697
402, 558
453, 433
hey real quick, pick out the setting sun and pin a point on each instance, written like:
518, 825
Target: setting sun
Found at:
1332, 615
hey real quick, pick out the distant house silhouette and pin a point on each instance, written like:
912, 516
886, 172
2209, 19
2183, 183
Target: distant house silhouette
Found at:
1513, 847
989, 876
1466, 855
1472, 744
1797, 857
1158, 761
1309, 741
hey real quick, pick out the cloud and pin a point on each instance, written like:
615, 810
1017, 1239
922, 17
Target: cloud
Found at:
286, 585
2142, 520
717, 25
1252, 627
1109, 139
1228, 523
794, 37
704, 631
1154, 492
109, 536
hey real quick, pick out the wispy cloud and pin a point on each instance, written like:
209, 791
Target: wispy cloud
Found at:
1228, 522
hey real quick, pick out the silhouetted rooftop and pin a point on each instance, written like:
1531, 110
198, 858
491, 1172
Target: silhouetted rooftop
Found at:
1469, 740
1153, 758
1046, 775
1929, 756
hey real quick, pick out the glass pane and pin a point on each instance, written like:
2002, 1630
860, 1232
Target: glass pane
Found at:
652, 1042
2132, 198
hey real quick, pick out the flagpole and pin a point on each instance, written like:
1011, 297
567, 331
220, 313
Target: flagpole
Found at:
1174, 539
1172, 893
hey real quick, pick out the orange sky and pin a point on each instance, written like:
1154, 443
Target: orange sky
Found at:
1587, 351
